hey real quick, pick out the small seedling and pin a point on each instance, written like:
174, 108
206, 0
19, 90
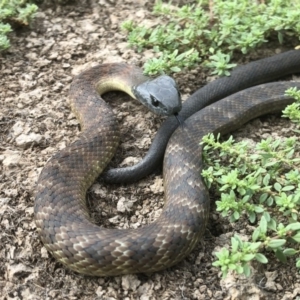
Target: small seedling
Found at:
262, 185
14, 11
211, 32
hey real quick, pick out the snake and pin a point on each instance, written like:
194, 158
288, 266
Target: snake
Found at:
61, 214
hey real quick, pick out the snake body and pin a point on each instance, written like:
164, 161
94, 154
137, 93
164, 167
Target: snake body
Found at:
242, 77
61, 214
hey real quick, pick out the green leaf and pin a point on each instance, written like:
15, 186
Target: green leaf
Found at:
276, 243
279, 254
252, 217
271, 164
261, 258
255, 234
267, 216
270, 201
175, 69
280, 37
293, 226
289, 252
259, 209
254, 246
277, 187
266, 180
294, 216
263, 197
288, 188
272, 224
237, 237
248, 257
247, 270
217, 263
296, 237
239, 269
263, 224
234, 244
236, 215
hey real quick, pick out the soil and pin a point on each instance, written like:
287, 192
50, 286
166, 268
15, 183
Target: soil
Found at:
36, 122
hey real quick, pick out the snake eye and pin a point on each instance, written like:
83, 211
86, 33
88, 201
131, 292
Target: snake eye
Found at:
154, 101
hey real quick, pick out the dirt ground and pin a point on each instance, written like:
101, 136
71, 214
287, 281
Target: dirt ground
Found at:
36, 122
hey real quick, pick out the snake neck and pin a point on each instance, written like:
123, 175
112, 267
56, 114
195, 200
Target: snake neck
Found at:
121, 77
113, 84
87, 88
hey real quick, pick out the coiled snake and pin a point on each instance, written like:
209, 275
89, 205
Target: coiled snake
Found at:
60, 209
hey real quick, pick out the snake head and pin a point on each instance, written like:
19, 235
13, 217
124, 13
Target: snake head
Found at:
160, 95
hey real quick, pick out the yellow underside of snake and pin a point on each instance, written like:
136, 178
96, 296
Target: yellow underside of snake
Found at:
61, 213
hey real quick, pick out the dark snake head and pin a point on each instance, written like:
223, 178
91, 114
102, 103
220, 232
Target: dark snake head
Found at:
160, 95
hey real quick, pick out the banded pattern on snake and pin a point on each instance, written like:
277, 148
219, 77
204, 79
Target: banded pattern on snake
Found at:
60, 209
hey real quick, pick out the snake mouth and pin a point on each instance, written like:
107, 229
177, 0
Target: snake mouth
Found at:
169, 111
180, 122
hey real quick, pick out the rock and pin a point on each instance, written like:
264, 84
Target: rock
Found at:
25, 140
10, 158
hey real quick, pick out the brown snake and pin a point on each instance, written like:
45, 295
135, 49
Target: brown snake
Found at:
61, 214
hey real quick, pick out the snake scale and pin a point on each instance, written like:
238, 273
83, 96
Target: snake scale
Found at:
61, 214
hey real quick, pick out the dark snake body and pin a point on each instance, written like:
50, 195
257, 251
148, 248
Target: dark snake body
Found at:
60, 208
242, 77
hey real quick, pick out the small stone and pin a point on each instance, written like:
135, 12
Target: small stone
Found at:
24, 140
10, 158
17, 129
124, 205
130, 282
158, 186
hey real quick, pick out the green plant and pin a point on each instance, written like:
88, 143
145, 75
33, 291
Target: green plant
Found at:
211, 33
261, 183
14, 11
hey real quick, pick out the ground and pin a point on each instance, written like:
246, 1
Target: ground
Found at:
36, 122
